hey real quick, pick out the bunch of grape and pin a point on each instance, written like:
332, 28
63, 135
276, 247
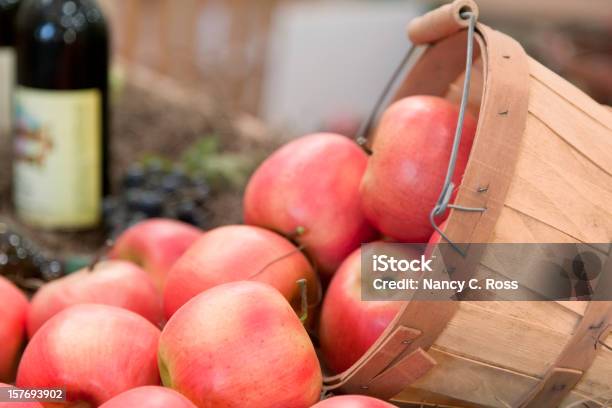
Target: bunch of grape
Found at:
23, 262
154, 190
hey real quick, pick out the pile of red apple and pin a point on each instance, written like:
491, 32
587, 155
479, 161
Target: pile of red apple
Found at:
217, 317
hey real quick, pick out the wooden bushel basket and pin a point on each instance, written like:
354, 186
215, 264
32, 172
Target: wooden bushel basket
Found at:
541, 165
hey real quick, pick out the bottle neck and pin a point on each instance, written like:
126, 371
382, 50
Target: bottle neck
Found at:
8, 16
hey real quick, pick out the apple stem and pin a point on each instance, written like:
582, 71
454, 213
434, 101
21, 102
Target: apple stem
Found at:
303, 284
280, 258
363, 143
297, 232
100, 254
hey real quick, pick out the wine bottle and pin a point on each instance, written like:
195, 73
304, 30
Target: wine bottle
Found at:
8, 13
61, 114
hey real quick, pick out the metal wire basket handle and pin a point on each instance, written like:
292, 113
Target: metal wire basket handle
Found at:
437, 24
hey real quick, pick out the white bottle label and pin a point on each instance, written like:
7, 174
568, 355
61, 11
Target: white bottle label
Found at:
7, 79
57, 157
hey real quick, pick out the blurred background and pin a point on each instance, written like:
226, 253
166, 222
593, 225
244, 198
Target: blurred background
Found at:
211, 87
306, 65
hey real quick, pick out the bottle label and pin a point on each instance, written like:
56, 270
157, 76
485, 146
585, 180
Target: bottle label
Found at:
58, 157
7, 78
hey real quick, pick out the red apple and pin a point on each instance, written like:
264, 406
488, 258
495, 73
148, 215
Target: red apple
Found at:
311, 186
95, 351
239, 252
13, 316
240, 345
352, 401
17, 404
344, 312
115, 283
406, 171
149, 396
155, 245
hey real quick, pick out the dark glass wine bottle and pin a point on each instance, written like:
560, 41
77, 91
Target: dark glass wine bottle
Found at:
61, 120
8, 13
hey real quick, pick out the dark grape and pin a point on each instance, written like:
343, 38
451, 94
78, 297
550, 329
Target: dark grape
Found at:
24, 263
14, 240
150, 203
51, 270
39, 260
157, 189
109, 206
135, 218
171, 183
186, 211
201, 193
134, 177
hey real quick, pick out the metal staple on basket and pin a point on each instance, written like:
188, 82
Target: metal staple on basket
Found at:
448, 188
